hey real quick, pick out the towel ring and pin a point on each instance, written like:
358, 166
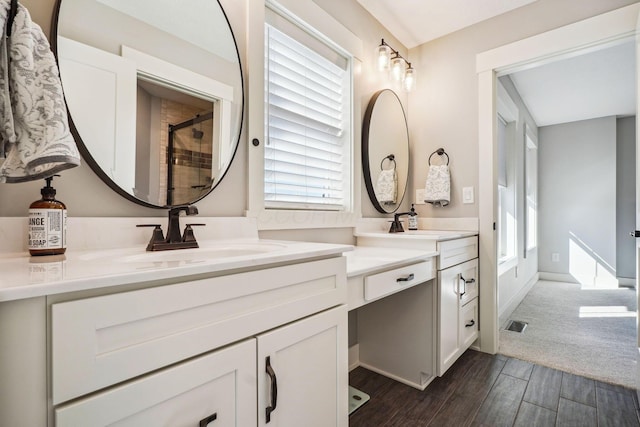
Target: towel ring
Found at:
391, 158
439, 152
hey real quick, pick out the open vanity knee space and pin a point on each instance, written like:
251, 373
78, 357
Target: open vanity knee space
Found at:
412, 333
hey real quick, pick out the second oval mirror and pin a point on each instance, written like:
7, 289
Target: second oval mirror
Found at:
155, 94
385, 151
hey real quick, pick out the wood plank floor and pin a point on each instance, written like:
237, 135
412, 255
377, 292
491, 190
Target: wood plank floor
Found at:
493, 390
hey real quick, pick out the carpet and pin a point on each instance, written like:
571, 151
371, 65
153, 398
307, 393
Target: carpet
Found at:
588, 332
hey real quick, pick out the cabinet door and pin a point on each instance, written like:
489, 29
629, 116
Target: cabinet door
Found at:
448, 317
214, 390
303, 372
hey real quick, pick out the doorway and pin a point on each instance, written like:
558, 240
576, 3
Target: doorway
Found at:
592, 34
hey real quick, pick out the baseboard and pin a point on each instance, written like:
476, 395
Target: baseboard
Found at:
420, 387
354, 357
565, 277
509, 308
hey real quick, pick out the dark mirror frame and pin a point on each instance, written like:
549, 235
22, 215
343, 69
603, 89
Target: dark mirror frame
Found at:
366, 161
86, 154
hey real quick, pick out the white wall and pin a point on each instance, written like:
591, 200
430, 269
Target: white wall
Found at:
514, 283
442, 111
577, 199
626, 198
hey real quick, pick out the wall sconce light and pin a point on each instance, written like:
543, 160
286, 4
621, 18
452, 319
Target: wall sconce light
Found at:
390, 60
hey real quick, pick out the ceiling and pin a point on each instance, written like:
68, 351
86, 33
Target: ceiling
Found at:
596, 84
415, 22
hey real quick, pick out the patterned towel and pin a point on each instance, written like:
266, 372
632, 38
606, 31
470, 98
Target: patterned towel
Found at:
437, 189
387, 187
34, 131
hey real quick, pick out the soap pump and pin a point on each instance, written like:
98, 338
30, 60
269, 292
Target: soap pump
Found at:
47, 223
413, 218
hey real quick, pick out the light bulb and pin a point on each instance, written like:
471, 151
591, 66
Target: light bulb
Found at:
409, 79
397, 68
383, 55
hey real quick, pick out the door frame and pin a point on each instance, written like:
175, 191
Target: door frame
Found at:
595, 33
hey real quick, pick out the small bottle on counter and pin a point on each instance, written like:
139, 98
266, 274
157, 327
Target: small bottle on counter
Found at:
413, 219
47, 223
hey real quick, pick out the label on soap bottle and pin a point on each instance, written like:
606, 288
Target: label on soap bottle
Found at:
413, 222
47, 228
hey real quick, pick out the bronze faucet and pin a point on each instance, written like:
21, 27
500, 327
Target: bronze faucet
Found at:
175, 238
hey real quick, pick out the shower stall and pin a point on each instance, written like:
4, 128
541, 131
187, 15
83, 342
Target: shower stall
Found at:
189, 159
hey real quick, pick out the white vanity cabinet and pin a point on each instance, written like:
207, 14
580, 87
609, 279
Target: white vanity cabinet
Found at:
301, 387
190, 350
457, 312
452, 307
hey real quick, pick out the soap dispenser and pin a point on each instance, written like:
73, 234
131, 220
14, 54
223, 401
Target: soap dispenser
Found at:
47, 223
413, 219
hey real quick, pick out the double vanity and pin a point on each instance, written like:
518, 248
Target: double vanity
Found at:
238, 332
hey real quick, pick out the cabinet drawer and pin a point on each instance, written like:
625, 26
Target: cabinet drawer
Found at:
100, 341
468, 281
388, 282
468, 324
220, 383
454, 252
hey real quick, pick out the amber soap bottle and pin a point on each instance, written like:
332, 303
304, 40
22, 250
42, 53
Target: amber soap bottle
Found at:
47, 223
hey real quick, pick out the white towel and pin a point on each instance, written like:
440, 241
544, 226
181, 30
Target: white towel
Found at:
387, 186
34, 130
437, 189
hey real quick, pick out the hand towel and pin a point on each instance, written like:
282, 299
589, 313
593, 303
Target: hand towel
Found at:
387, 186
34, 129
437, 189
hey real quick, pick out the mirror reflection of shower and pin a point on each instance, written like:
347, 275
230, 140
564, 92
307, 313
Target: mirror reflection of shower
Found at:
189, 158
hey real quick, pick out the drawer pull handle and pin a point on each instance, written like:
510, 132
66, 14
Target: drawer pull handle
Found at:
205, 421
470, 324
274, 389
408, 278
465, 282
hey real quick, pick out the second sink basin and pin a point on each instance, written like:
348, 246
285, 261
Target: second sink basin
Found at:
224, 250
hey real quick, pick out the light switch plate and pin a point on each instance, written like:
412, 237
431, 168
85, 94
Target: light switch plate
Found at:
467, 195
420, 197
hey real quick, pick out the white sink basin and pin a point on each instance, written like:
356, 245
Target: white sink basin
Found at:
225, 250
207, 251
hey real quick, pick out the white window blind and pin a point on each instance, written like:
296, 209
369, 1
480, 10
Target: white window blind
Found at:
306, 154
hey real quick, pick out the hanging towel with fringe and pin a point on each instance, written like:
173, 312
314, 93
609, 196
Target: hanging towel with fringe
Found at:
437, 189
387, 186
34, 131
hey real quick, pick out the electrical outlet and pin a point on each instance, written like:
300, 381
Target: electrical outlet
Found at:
420, 197
555, 257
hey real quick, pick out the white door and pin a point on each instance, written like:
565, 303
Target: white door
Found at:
303, 373
636, 232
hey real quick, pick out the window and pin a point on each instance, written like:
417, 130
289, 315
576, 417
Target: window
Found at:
507, 213
531, 191
307, 150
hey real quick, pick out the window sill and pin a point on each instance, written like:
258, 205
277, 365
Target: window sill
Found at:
274, 219
507, 264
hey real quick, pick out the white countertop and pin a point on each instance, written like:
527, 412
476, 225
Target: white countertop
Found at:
369, 259
23, 276
438, 235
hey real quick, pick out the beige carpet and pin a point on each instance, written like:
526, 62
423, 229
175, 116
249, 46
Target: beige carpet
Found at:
586, 332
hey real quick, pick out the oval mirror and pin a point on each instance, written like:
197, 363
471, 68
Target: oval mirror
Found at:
155, 94
385, 151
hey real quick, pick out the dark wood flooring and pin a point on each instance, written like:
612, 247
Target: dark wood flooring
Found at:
493, 390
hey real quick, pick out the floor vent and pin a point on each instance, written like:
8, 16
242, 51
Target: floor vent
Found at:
356, 399
516, 326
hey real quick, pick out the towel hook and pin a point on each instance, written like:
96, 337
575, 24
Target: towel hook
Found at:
13, 10
391, 158
439, 152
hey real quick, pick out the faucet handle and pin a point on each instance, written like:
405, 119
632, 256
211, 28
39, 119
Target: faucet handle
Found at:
156, 237
188, 235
